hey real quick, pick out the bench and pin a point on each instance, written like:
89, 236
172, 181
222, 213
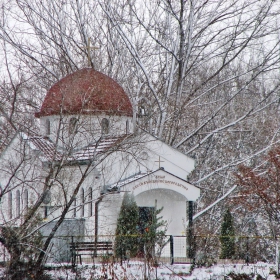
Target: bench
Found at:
79, 249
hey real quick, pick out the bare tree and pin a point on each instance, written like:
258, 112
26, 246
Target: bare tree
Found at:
208, 80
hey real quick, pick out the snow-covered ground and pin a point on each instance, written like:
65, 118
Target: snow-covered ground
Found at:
136, 270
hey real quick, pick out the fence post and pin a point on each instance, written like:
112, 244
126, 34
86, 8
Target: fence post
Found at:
171, 249
247, 258
191, 252
73, 256
277, 256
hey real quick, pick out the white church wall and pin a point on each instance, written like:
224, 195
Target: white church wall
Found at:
121, 165
88, 129
171, 159
89, 190
109, 209
20, 171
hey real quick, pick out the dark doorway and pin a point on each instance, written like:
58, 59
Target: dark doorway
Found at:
146, 219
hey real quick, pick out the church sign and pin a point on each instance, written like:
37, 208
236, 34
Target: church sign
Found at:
163, 180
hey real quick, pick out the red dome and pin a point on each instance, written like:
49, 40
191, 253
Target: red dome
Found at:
86, 92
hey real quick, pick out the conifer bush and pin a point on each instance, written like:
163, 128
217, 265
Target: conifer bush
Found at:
227, 238
126, 232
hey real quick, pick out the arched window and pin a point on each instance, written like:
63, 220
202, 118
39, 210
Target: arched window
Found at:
105, 126
10, 205
141, 111
17, 203
127, 127
82, 203
90, 202
48, 197
73, 125
142, 108
25, 200
48, 127
74, 208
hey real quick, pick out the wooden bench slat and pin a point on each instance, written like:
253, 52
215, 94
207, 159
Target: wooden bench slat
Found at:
91, 249
97, 245
92, 243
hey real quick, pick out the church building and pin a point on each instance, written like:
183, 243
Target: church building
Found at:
88, 154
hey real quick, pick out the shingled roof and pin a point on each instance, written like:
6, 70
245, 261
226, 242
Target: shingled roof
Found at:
86, 91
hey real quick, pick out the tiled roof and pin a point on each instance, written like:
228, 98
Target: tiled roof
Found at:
86, 92
50, 153
46, 147
98, 148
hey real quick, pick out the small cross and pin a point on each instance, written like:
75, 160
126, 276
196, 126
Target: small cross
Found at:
88, 48
159, 161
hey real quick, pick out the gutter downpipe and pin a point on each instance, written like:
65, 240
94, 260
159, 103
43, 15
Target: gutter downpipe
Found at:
96, 223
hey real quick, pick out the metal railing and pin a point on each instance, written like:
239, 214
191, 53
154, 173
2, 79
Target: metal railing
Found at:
170, 249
